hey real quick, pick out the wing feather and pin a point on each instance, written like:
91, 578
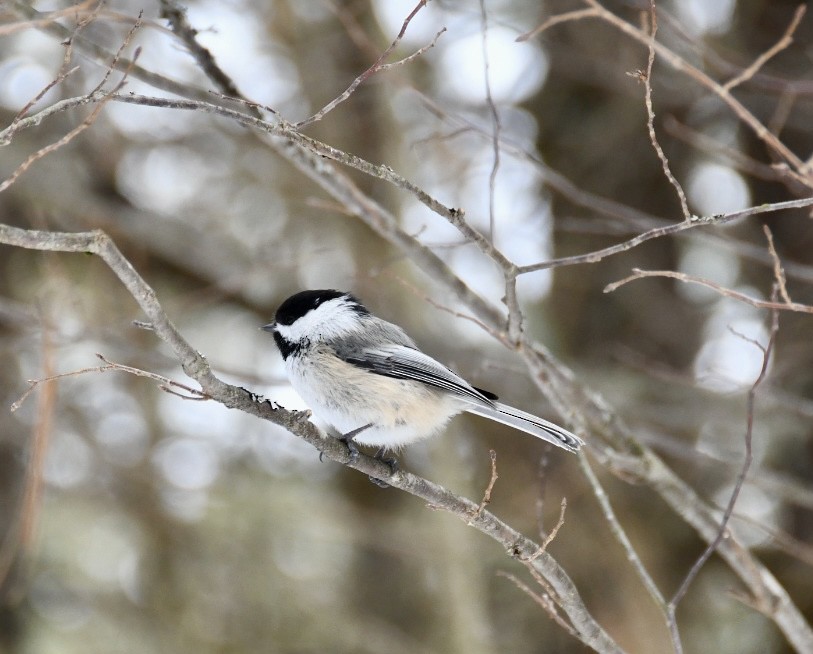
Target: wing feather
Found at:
403, 362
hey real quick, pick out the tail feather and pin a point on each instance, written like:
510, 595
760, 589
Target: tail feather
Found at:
528, 423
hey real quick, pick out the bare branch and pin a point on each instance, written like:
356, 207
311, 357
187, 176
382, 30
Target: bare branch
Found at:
632, 556
581, 406
49, 18
727, 292
680, 64
377, 66
61, 77
721, 151
759, 62
487, 494
544, 601
628, 215
48, 149
117, 57
101, 55
495, 119
566, 17
514, 327
554, 532
746, 465
631, 460
196, 366
666, 230
176, 15
103, 99
410, 58
778, 271
19, 124
650, 113
165, 383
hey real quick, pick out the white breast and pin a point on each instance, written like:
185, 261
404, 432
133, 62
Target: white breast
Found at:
348, 397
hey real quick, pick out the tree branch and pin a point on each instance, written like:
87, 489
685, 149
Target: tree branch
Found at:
637, 273
196, 366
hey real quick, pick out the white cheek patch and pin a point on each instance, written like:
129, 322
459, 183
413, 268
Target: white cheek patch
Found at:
286, 331
330, 319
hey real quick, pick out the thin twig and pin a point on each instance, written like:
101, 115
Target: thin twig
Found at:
565, 17
487, 494
666, 230
495, 119
118, 56
50, 18
680, 64
632, 556
544, 601
554, 532
778, 271
166, 384
409, 58
48, 149
723, 152
759, 62
103, 99
749, 430
634, 218
377, 66
176, 16
22, 113
33, 384
637, 273
65, 70
515, 318
550, 598
33, 120
650, 115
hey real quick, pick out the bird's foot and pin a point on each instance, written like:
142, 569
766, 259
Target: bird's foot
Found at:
391, 462
352, 448
347, 439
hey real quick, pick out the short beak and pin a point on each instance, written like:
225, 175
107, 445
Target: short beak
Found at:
270, 327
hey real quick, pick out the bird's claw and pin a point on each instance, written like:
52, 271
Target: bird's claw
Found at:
391, 462
252, 395
352, 448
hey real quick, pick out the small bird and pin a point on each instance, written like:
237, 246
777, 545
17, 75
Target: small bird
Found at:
367, 378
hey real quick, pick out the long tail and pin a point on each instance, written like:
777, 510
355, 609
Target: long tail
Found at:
528, 423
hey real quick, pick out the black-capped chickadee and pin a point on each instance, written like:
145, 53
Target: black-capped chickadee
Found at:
368, 379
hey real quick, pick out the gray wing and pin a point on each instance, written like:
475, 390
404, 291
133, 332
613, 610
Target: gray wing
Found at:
407, 362
400, 358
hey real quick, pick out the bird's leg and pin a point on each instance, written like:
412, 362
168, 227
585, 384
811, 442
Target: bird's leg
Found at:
347, 439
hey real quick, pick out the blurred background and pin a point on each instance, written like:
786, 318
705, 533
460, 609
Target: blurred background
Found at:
167, 525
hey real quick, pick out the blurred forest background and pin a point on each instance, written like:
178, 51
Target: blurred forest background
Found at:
136, 521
